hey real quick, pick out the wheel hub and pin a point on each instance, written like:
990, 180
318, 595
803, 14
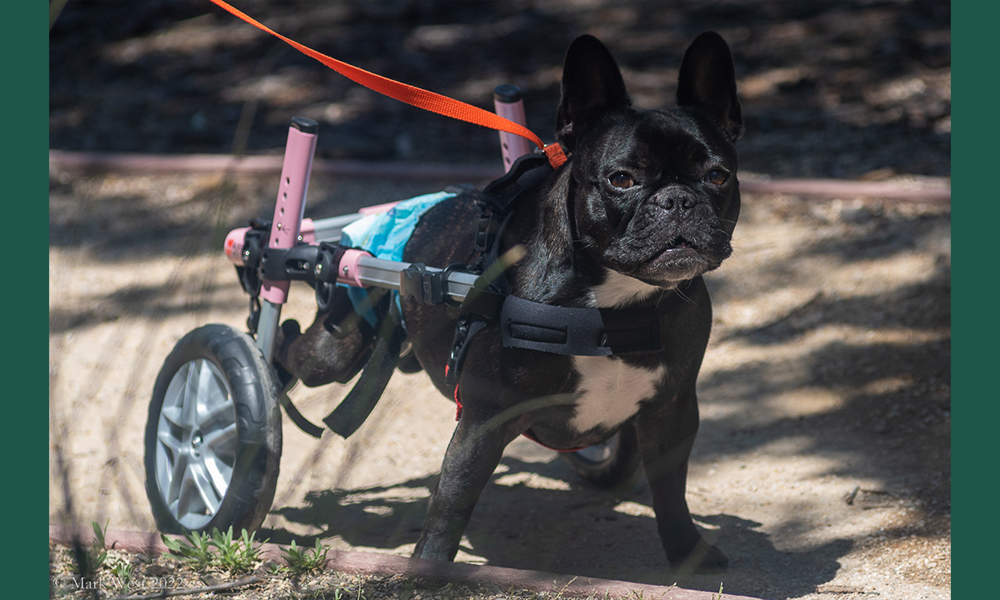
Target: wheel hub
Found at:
197, 443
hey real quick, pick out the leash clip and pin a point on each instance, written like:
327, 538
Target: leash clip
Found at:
555, 153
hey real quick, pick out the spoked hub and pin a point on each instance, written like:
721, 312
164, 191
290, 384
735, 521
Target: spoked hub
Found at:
213, 437
612, 463
599, 452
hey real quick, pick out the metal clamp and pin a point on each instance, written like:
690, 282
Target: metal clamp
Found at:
427, 286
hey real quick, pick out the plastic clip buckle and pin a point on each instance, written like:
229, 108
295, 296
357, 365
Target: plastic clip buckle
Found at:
457, 343
424, 287
486, 233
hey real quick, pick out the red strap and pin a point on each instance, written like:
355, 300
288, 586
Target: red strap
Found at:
458, 398
414, 96
458, 415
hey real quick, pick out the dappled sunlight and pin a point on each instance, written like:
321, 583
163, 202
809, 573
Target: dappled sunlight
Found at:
822, 464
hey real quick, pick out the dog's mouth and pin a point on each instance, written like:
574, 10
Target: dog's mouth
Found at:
679, 243
678, 248
681, 258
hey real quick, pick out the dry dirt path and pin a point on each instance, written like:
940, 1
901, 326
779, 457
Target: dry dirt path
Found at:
828, 372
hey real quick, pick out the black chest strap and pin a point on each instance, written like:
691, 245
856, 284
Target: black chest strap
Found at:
578, 331
555, 329
534, 325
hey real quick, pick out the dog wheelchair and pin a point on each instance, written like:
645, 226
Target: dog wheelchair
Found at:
213, 435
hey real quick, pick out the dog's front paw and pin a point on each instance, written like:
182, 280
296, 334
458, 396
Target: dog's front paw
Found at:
286, 334
704, 558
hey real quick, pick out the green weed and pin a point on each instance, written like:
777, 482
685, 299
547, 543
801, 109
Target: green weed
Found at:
123, 571
302, 560
93, 558
719, 595
236, 556
194, 549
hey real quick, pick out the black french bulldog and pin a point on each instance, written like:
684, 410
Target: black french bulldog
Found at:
646, 204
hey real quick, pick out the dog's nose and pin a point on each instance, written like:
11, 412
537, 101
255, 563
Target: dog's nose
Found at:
671, 201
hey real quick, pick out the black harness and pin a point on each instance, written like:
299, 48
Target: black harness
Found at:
536, 325
523, 323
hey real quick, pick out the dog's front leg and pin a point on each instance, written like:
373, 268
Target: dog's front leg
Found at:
473, 454
666, 432
337, 344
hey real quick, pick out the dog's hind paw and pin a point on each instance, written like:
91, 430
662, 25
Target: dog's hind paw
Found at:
703, 559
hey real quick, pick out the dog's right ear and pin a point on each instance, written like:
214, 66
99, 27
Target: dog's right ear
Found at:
591, 85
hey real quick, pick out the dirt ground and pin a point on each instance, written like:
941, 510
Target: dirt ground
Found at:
828, 370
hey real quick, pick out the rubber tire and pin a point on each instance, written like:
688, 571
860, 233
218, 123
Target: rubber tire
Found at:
620, 469
258, 423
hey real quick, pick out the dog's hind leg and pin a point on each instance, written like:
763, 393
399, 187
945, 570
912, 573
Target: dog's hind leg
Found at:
473, 454
337, 344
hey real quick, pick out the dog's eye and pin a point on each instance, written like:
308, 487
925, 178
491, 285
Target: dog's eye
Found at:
621, 180
717, 177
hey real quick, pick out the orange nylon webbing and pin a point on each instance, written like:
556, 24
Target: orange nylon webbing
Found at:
414, 96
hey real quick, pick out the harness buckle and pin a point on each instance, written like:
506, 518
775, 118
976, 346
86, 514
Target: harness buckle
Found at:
489, 227
418, 283
457, 347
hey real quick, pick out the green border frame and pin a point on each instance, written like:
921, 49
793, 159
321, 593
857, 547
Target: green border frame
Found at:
25, 66
974, 351
24, 47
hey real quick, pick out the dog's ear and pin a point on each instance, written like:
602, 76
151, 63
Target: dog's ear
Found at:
708, 80
591, 85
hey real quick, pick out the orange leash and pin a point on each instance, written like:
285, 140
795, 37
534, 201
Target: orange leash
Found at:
414, 96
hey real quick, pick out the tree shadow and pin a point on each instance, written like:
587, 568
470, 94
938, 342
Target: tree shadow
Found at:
114, 227
924, 305
893, 394
152, 301
817, 77
570, 528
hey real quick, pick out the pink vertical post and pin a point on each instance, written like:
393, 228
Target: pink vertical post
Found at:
288, 209
509, 105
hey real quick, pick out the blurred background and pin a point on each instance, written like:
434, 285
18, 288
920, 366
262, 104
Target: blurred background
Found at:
829, 89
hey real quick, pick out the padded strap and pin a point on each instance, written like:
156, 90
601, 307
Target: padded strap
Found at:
352, 411
578, 331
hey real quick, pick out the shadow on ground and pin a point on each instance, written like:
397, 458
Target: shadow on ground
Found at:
549, 535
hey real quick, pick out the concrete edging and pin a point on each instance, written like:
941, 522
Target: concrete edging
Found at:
370, 563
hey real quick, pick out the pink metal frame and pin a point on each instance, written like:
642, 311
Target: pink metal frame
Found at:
512, 146
288, 227
299, 151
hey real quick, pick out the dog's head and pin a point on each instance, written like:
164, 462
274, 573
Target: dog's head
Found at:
654, 192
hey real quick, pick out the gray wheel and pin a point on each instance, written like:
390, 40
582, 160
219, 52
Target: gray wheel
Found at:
613, 462
213, 437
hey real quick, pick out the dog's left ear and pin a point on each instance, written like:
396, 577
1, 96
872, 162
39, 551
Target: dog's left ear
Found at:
591, 85
708, 80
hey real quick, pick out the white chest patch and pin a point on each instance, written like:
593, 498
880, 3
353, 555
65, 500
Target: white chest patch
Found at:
619, 289
610, 390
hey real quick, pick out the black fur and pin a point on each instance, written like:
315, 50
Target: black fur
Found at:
671, 224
